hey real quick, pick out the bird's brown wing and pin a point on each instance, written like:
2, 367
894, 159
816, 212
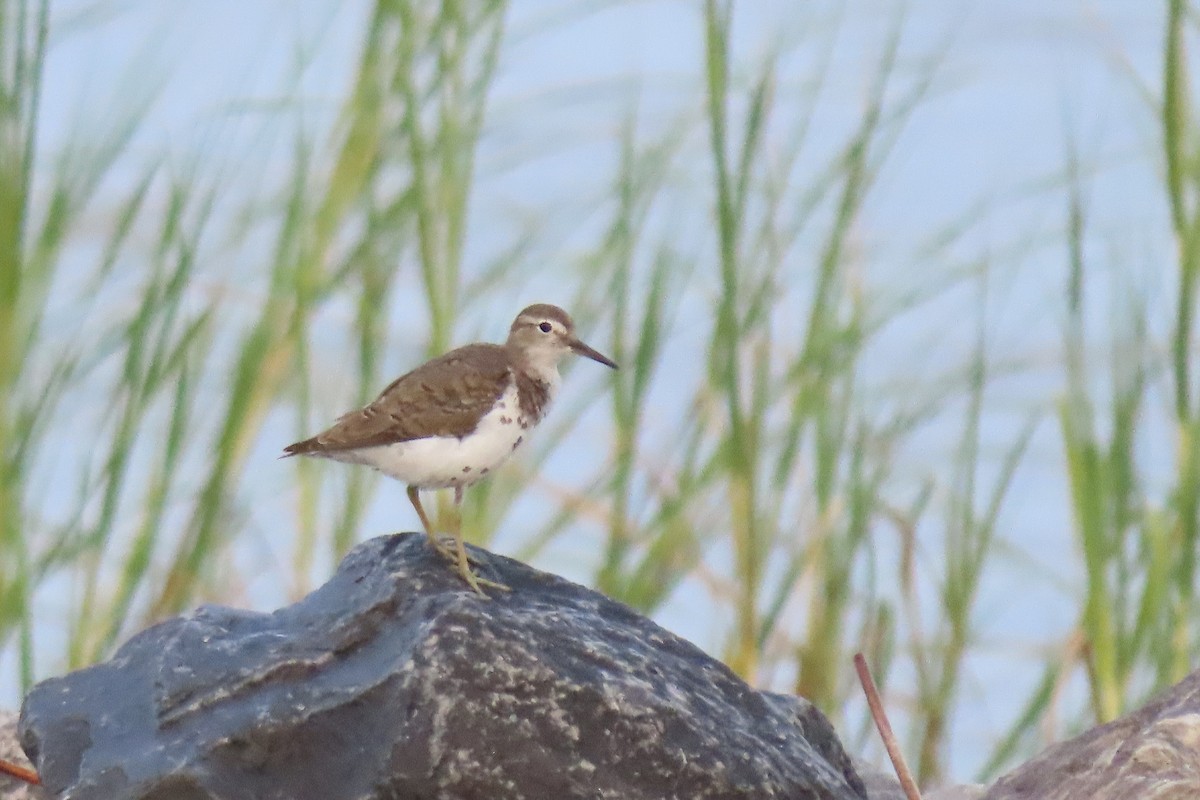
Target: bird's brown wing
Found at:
444, 397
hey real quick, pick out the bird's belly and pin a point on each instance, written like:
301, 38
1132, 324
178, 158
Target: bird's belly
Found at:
438, 462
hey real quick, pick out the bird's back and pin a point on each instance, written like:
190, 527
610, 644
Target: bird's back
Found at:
443, 397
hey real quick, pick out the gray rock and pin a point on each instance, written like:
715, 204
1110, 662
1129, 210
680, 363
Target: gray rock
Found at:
882, 785
395, 681
10, 751
963, 791
1151, 754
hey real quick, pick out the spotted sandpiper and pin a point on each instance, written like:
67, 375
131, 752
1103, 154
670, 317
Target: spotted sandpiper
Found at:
454, 419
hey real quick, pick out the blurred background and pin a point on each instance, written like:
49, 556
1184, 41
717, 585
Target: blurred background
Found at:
902, 293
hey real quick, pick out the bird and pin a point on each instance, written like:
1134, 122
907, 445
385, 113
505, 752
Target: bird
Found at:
453, 420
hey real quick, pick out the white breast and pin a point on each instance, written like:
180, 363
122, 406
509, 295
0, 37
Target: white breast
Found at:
439, 462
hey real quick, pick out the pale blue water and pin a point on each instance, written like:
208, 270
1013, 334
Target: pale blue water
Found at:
1017, 80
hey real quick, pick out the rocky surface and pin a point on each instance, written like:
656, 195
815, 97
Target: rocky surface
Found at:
1151, 754
882, 785
395, 681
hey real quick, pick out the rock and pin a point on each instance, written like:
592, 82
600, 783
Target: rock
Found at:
10, 751
395, 681
884, 786
1151, 754
963, 791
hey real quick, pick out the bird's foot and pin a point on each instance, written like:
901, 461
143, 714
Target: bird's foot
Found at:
447, 546
452, 549
477, 583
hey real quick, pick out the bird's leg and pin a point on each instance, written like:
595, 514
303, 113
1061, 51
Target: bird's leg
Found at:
437, 544
446, 543
454, 551
463, 559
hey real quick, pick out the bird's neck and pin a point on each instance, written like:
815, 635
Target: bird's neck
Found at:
540, 365
536, 387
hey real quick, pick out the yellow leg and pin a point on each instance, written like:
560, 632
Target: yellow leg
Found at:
455, 551
415, 498
463, 558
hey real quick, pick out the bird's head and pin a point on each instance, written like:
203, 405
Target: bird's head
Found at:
542, 334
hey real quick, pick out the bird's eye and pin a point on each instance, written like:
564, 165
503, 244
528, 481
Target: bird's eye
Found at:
545, 327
